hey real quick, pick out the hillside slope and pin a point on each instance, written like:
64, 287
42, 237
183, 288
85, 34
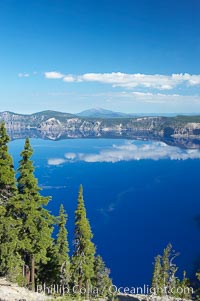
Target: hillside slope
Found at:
12, 292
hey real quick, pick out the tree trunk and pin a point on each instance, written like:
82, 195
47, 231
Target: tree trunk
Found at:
87, 290
33, 272
80, 284
27, 274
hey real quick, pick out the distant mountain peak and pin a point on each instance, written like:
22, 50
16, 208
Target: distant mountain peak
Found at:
101, 113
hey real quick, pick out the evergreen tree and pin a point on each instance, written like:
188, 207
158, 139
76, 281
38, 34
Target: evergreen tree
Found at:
62, 249
197, 292
101, 280
57, 270
173, 281
7, 173
82, 267
165, 266
9, 206
185, 285
36, 221
156, 279
165, 281
10, 260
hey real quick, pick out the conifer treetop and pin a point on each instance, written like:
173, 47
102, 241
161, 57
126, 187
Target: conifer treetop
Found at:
7, 173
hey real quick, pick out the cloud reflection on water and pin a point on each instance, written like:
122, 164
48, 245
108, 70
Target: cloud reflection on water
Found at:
130, 150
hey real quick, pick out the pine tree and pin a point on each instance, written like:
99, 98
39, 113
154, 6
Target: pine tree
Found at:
7, 173
156, 280
9, 206
165, 267
36, 221
185, 284
10, 260
47, 271
164, 280
61, 249
197, 292
57, 270
101, 281
174, 281
82, 267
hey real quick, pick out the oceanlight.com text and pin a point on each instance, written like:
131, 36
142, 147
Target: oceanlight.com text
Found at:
133, 290
148, 290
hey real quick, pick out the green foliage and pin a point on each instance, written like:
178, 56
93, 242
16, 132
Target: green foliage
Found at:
47, 271
161, 273
165, 269
9, 221
101, 281
7, 173
62, 248
82, 267
9, 250
36, 230
156, 279
185, 283
57, 269
197, 292
164, 280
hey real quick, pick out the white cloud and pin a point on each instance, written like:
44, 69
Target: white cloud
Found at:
130, 151
176, 101
130, 81
53, 75
159, 97
23, 74
191, 79
141, 94
69, 79
118, 79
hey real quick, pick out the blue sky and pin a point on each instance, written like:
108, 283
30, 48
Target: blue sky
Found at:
123, 55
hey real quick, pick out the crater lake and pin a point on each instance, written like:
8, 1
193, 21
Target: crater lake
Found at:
139, 196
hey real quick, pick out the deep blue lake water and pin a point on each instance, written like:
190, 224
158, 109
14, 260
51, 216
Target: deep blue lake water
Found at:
139, 197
